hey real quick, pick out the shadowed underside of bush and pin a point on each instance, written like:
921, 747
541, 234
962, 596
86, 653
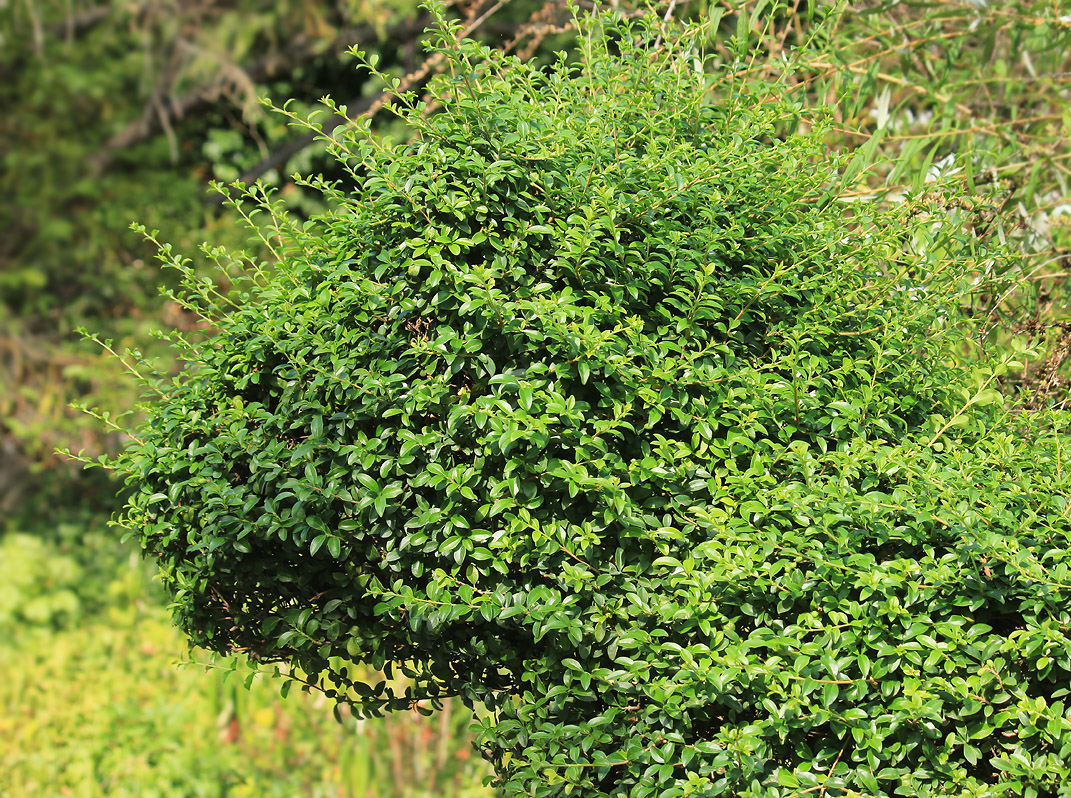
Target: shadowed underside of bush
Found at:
593, 405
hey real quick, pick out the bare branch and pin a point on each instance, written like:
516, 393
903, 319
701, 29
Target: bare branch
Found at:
279, 158
153, 118
79, 23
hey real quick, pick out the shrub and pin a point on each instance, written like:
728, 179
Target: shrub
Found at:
594, 406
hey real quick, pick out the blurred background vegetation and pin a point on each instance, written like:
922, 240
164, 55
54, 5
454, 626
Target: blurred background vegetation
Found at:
114, 112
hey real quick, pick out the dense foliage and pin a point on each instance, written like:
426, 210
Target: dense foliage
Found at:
594, 404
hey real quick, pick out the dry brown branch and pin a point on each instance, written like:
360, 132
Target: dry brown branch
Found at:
154, 117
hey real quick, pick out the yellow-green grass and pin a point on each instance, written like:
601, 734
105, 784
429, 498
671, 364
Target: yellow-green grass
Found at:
106, 709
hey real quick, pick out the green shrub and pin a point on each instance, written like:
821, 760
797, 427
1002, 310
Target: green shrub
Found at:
595, 406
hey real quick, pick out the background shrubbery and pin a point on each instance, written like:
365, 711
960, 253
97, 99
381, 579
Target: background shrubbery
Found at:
101, 709
92, 141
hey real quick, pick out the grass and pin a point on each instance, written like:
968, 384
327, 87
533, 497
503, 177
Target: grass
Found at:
115, 706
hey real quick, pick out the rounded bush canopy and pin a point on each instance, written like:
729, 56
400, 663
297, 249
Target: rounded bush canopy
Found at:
592, 405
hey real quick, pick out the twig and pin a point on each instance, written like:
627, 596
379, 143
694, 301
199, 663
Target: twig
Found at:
665, 20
